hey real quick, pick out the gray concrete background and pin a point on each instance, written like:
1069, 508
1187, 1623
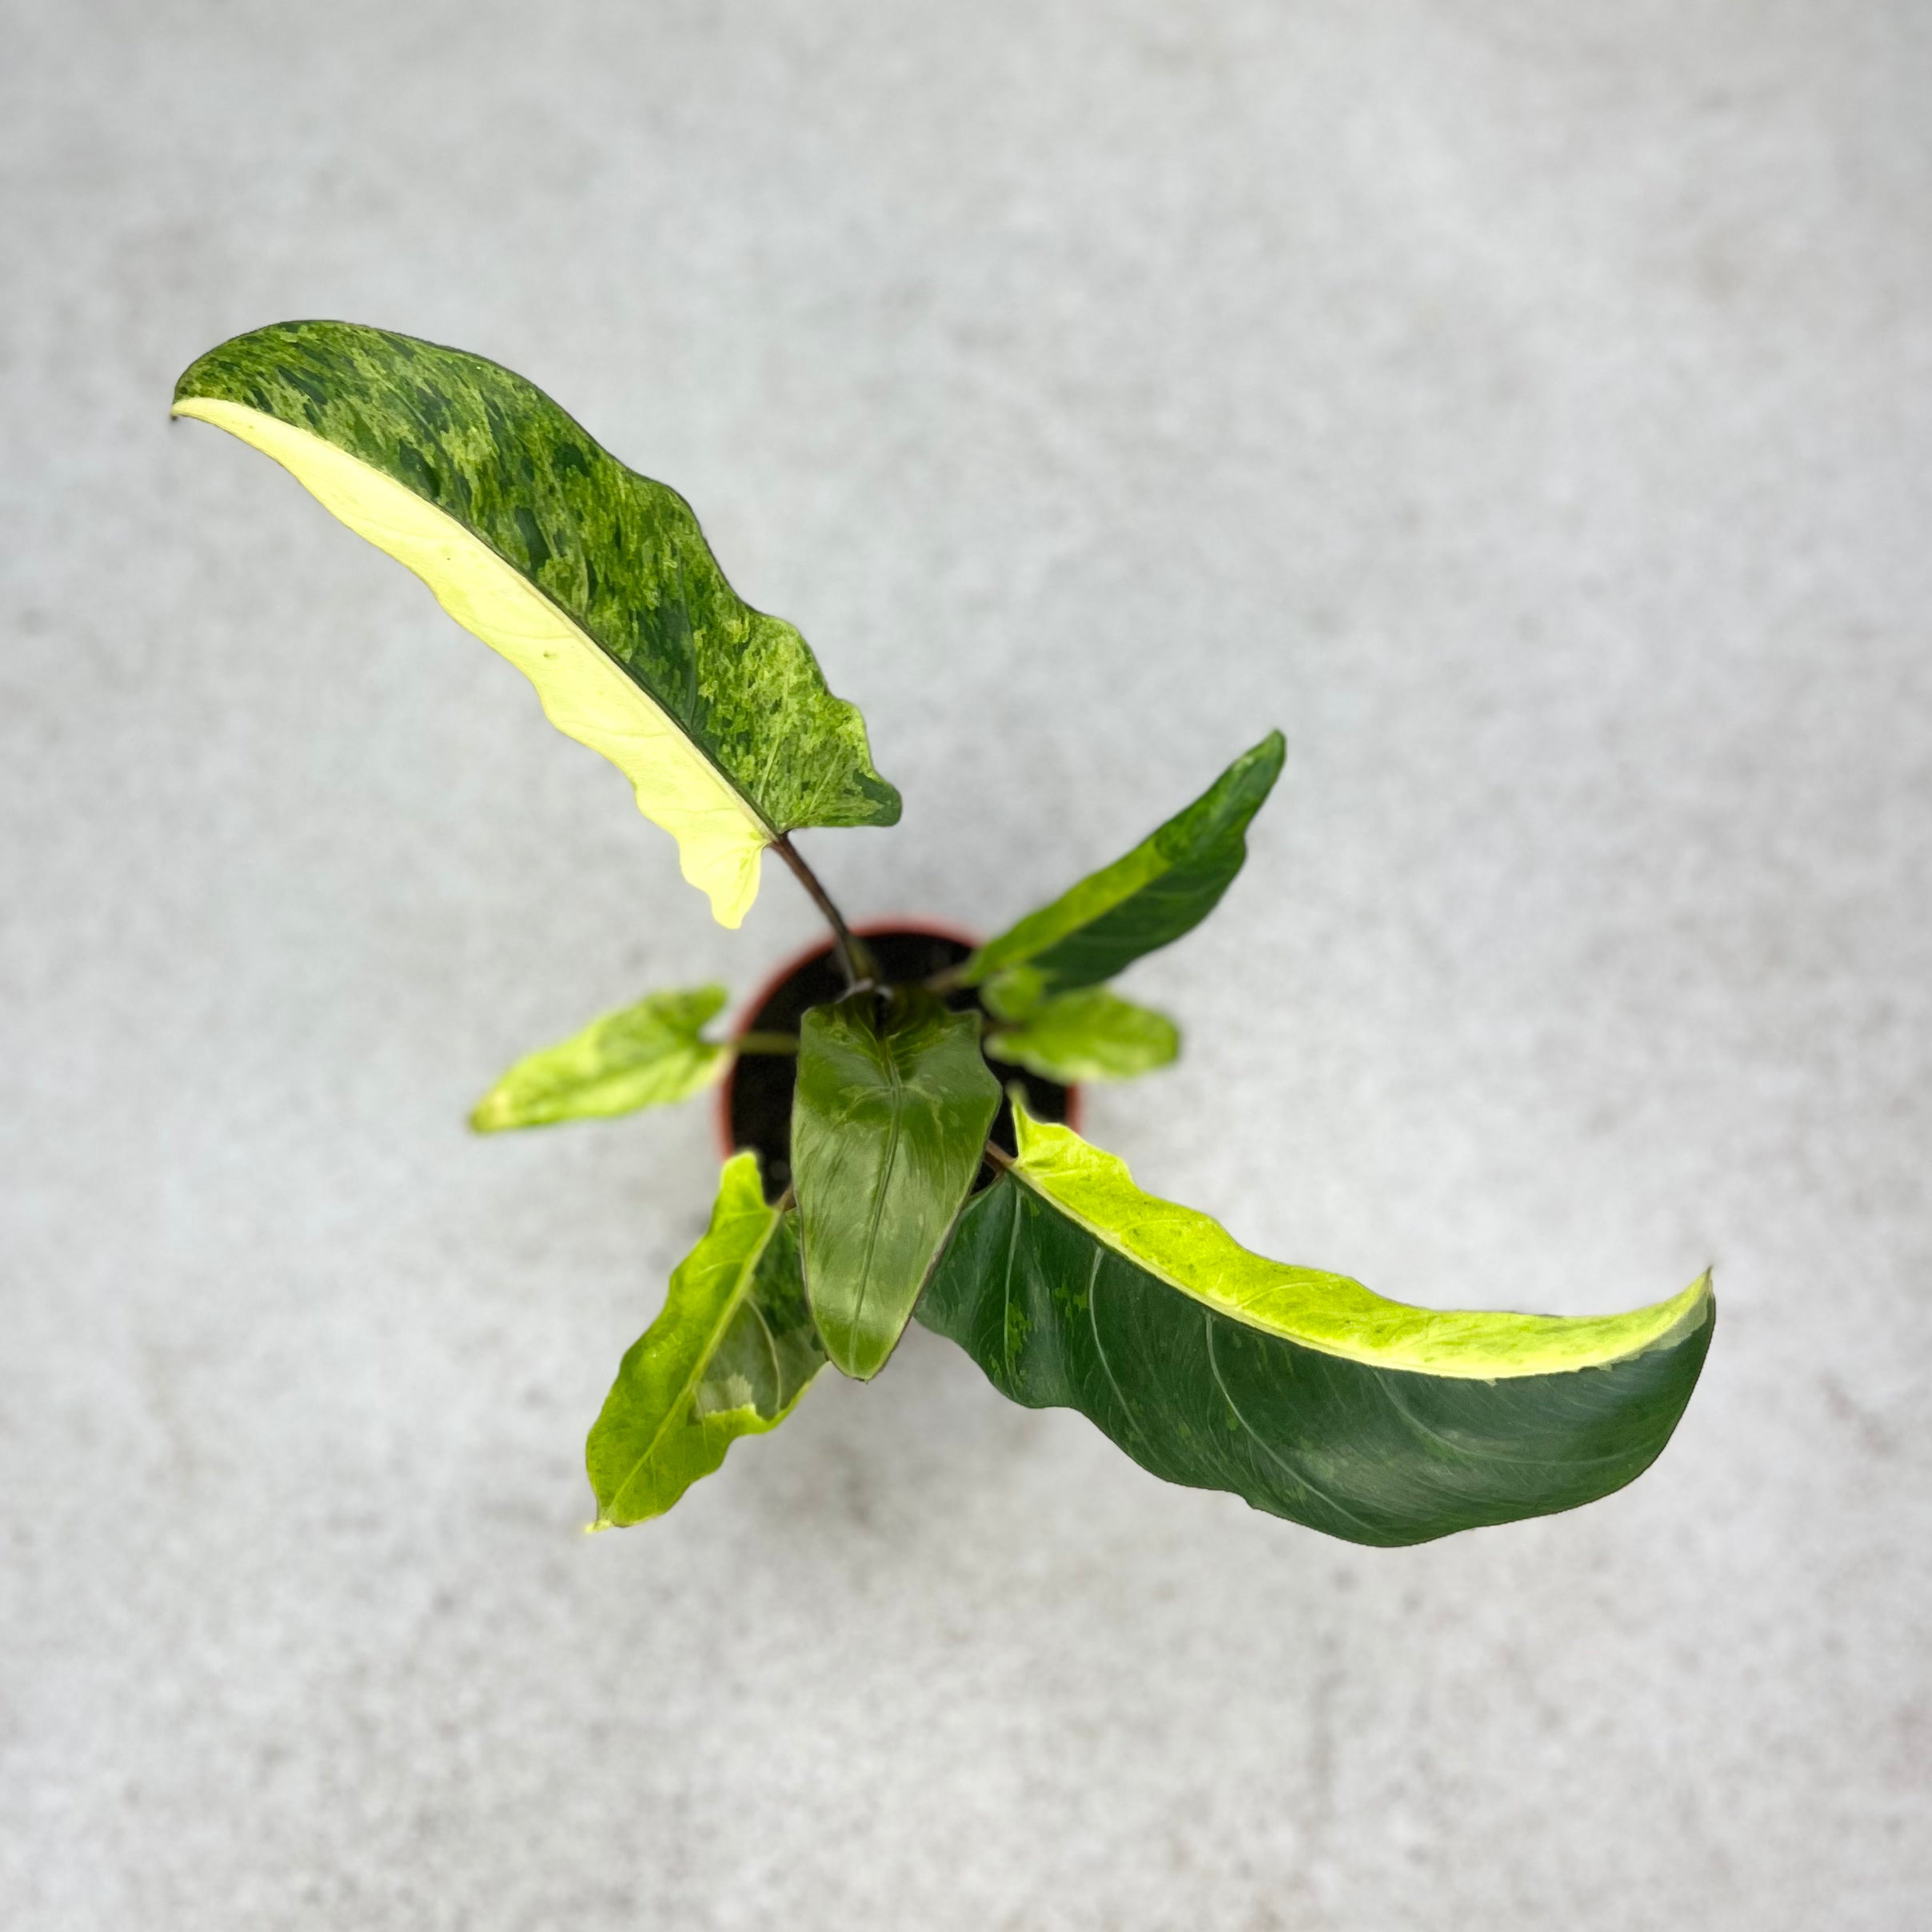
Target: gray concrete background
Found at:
1529, 409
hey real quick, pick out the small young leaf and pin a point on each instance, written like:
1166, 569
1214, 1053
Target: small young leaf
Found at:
729, 1356
593, 581
1014, 993
1091, 1035
646, 1056
889, 1123
1300, 1392
1166, 886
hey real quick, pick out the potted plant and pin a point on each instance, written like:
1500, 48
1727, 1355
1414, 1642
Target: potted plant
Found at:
905, 1180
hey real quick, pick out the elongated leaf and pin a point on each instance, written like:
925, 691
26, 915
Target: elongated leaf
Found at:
888, 1124
729, 1356
1166, 886
647, 1056
1091, 1035
1300, 1392
594, 581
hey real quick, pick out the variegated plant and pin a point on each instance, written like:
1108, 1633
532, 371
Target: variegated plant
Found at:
1298, 1391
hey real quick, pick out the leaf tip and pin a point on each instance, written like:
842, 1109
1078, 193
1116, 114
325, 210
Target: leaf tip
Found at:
884, 804
189, 402
1269, 756
1700, 1295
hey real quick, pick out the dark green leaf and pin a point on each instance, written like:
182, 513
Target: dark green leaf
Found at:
1300, 1392
729, 1356
1166, 886
888, 1124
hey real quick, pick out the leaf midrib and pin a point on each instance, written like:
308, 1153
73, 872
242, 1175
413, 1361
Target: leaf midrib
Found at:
687, 1393
897, 1089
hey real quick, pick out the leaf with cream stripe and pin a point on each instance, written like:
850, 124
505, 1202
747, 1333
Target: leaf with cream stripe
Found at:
1298, 1391
596, 582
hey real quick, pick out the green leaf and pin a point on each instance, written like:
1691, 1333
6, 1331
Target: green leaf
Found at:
729, 1356
1300, 1392
647, 1056
1015, 993
594, 581
1091, 1035
889, 1126
1166, 886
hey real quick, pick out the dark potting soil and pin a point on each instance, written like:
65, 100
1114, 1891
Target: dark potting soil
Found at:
758, 1091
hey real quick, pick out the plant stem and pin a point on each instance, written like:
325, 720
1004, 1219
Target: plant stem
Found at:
998, 1155
767, 1043
856, 962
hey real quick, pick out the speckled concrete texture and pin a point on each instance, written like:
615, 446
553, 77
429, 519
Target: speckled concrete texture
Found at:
1528, 409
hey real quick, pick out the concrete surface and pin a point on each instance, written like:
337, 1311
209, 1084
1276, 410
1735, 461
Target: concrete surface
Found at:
1529, 409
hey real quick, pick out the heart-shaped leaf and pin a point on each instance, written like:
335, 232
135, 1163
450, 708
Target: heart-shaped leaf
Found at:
729, 1356
888, 1125
593, 581
1300, 1392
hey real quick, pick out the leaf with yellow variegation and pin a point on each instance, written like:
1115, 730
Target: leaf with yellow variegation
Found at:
596, 582
649, 1054
729, 1355
1299, 1391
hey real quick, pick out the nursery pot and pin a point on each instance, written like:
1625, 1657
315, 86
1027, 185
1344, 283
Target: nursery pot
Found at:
755, 1102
